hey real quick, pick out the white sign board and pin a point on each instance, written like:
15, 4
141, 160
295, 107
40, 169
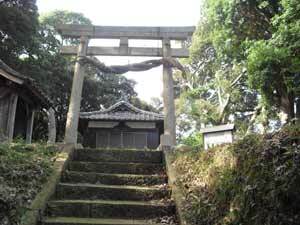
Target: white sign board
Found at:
217, 135
213, 139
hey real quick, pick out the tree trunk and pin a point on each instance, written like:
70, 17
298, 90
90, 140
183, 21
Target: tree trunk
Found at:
297, 113
265, 121
287, 106
256, 113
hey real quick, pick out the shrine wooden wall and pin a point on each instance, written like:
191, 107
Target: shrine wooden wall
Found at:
122, 137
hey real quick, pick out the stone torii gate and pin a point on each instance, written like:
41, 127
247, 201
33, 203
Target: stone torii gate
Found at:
86, 32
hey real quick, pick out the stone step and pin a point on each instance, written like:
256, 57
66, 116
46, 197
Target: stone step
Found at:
92, 221
110, 209
113, 179
110, 192
117, 167
113, 155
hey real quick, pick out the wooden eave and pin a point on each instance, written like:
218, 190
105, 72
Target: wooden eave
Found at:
25, 86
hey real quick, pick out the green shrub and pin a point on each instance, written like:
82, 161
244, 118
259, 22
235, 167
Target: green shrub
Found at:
23, 170
252, 182
194, 140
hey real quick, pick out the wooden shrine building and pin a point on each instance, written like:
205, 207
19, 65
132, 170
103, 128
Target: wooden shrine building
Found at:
121, 126
20, 96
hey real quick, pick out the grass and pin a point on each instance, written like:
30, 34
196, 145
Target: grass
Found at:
252, 182
23, 170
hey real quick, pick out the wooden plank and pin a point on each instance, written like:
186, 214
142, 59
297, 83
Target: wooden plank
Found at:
116, 32
102, 124
4, 112
131, 51
12, 116
141, 125
11, 77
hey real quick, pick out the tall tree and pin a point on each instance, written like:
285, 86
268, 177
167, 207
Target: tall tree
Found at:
217, 90
274, 64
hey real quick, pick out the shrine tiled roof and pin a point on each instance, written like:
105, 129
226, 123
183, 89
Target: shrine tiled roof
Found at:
122, 111
27, 82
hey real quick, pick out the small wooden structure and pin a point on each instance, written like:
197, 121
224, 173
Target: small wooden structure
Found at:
124, 34
121, 126
217, 135
19, 98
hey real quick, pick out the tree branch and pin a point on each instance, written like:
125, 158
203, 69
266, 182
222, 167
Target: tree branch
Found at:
234, 82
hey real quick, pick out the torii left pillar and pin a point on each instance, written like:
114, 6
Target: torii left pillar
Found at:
74, 107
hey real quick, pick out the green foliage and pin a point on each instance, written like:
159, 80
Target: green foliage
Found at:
143, 105
50, 20
254, 181
54, 18
244, 65
23, 170
215, 90
18, 28
274, 64
264, 64
194, 140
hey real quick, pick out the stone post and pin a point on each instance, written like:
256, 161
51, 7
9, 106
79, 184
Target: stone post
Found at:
168, 96
51, 126
29, 127
75, 100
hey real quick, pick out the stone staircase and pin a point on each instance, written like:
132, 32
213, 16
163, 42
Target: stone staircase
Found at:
118, 187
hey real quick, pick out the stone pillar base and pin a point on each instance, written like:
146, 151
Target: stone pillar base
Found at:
165, 142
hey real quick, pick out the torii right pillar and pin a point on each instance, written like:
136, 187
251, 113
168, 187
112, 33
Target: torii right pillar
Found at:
168, 139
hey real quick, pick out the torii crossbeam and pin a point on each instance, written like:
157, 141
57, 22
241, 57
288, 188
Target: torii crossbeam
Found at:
86, 32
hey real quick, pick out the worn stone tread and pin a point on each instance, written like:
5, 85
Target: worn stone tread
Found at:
110, 192
93, 221
113, 178
118, 149
117, 167
113, 202
109, 155
110, 209
128, 187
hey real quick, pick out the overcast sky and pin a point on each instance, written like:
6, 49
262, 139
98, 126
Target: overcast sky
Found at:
132, 13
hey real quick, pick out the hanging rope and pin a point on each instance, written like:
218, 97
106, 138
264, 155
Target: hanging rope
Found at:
120, 69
